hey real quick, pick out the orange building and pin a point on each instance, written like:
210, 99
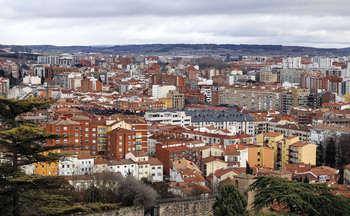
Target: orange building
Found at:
260, 156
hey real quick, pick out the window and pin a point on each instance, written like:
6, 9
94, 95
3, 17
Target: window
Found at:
120, 149
57, 141
86, 135
120, 137
93, 129
86, 129
76, 134
86, 123
65, 128
67, 166
93, 141
65, 141
120, 144
76, 128
62, 166
57, 129
76, 140
86, 147
153, 168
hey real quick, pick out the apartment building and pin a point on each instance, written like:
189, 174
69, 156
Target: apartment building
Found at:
120, 142
173, 117
267, 77
222, 119
251, 98
288, 150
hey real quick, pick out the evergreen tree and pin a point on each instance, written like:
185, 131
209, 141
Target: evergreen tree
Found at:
319, 155
306, 180
302, 199
330, 153
249, 170
22, 144
230, 202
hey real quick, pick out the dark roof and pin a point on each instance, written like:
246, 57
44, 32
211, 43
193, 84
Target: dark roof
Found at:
218, 115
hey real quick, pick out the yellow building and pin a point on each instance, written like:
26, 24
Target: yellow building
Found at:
211, 164
270, 140
213, 150
285, 151
301, 152
46, 169
167, 103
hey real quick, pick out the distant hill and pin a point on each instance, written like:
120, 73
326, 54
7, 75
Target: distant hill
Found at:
193, 49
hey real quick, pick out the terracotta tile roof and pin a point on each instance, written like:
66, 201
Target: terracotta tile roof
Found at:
189, 190
324, 170
121, 162
272, 134
100, 161
84, 156
139, 153
184, 165
211, 159
291, 137
220, 172
299, 144
347, 166
190, 176
154, 161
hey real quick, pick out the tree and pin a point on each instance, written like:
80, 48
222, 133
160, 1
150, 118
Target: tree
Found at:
320, 155
22, 144
230, 201
330, 153
306, 180
133, 192
249, 170
302, 199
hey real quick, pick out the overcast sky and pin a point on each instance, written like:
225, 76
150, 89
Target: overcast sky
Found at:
317, 23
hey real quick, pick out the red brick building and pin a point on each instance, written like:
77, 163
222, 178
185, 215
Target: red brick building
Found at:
91, 84
168, 155
120, 142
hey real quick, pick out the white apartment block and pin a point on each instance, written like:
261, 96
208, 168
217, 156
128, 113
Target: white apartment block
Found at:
171, 117
159, 91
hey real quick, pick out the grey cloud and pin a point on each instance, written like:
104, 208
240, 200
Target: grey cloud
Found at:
115, 8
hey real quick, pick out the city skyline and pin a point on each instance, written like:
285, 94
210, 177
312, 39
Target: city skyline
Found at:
321, 24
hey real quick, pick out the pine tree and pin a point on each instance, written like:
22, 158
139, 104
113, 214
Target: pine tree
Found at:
22, 143
330, 153
301, 199
249, 170
320, 155
230, 201
306, 180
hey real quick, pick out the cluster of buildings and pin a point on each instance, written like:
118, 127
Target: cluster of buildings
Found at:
167, 118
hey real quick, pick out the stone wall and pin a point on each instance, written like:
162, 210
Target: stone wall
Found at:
187, 208
124, 211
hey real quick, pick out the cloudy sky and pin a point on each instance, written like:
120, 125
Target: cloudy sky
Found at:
317, 23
